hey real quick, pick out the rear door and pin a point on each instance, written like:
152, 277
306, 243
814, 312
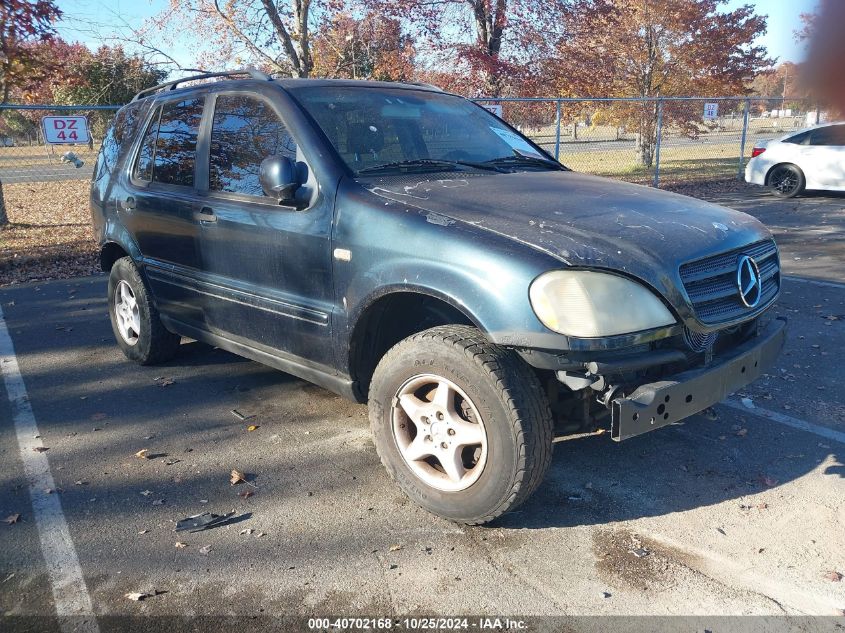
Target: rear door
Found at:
268, 266
158, 208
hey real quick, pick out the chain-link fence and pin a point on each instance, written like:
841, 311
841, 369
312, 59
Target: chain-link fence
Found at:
642, 140
654, 141
25, 157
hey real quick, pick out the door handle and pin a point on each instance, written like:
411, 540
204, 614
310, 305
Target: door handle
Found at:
129, 204
206, 214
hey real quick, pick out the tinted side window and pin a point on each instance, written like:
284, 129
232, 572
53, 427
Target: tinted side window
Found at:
832, 135
117, 139
176, 146
144, 165
244, 132
798, 139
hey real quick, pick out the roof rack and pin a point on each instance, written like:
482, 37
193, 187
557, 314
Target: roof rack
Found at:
171, 85
423, 84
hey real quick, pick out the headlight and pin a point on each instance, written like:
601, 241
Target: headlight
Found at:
584, 303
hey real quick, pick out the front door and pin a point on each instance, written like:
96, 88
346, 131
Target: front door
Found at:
268, 267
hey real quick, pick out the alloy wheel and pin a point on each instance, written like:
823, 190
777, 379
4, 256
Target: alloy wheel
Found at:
126, 313
439, 433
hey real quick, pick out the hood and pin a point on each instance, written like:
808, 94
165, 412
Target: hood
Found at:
582, 220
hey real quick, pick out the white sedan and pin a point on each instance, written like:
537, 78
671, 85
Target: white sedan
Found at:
810, 159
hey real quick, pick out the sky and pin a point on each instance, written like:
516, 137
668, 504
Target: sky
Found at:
112, 15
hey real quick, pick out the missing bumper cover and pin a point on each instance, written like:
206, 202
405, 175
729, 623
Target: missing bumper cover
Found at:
657, 404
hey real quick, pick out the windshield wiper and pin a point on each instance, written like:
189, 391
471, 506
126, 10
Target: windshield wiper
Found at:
520, 157
432, 164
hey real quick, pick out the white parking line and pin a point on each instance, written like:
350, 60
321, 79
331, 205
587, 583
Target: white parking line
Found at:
68, 585
788, 420
815, 282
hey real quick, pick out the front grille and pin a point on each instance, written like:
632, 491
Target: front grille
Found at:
711, 282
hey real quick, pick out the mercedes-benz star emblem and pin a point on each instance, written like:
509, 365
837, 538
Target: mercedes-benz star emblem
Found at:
748, 281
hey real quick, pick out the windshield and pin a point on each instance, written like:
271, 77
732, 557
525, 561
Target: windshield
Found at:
393, 130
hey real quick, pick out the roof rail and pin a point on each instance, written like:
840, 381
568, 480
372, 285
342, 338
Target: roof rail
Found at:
171, 85
423, 84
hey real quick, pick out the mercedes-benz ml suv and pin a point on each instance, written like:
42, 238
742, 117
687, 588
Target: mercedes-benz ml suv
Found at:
406, 248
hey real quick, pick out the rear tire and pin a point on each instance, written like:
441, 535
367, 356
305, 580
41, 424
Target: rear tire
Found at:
491, 422
137, 328
786, 180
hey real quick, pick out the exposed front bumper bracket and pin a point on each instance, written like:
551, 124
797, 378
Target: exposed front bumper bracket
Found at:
657, 404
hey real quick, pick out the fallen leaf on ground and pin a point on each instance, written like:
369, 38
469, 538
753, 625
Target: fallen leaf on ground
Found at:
158, 502
246, 531
146, 493
40, 449
237, 477
80, 482
181, 545
205, 550
395, 548
833, 576
142, 454
137, 596
12, 519
741, 433
252, 427
259, 535
246, 494
166, 382
143, 531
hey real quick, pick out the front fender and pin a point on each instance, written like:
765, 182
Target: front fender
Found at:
391, 247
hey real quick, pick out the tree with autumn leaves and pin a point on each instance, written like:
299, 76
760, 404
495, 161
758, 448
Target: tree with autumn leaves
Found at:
22, 23
652, 49
617, 48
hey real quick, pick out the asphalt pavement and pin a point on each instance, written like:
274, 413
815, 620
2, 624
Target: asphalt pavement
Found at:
738, 512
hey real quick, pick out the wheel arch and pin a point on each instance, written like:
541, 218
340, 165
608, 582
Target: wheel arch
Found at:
116, 242
391, 317
110, 252
781, 164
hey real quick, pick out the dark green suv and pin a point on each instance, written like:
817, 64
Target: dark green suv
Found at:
404, 247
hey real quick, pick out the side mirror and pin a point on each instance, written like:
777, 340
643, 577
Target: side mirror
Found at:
277, 175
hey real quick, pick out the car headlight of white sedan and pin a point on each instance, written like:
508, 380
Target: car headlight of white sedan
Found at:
590, 304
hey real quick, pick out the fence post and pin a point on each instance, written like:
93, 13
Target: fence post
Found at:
658, 141
557, 132
744, 137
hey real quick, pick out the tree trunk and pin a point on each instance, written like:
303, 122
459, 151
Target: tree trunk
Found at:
647, 135
4, 218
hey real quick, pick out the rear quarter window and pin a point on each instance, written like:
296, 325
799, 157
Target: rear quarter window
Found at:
118, 139
168, 150
798, 139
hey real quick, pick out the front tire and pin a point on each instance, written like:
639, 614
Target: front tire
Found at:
462, 425
786, 180
137, 328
